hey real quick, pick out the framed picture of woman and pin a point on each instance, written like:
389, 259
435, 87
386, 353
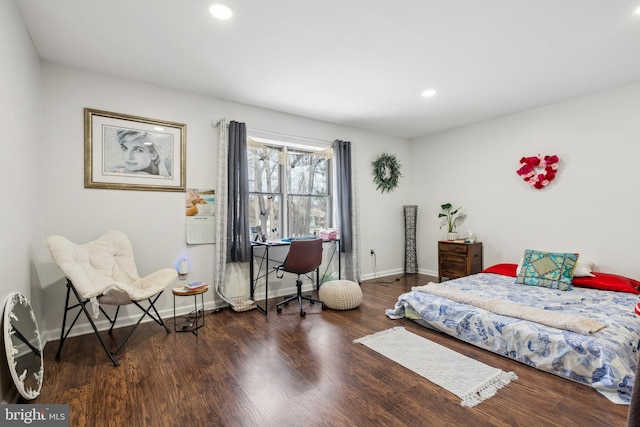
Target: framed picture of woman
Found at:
125, 152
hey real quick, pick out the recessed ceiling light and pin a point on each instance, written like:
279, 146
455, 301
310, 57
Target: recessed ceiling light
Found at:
428, 93
638, 11
220, 11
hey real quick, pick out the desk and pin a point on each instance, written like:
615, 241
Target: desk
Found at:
260, 253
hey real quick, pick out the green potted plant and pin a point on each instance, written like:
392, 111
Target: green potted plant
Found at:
452, 217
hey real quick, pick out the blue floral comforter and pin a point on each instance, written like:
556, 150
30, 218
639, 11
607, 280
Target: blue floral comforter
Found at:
605, 360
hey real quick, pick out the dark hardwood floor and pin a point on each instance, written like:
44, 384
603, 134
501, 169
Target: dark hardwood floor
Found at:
248, 369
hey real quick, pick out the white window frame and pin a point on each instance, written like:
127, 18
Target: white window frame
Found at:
284, 182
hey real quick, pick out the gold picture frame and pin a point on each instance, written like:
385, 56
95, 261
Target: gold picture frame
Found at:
124, 152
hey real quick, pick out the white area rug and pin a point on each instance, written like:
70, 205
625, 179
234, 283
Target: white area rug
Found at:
470, 380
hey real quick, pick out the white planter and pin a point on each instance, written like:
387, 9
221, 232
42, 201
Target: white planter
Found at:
452, 236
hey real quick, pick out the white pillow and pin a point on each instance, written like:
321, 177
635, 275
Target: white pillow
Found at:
583, 269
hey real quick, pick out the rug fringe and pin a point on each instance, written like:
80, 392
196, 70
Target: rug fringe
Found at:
377, 334
488, 389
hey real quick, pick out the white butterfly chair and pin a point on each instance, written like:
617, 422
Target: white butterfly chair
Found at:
104, 272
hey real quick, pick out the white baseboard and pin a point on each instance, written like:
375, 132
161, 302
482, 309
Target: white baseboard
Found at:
103, 324
380, 274
428, 272
274, 291
396, 272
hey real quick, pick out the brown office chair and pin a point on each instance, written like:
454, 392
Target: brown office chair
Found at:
304, 257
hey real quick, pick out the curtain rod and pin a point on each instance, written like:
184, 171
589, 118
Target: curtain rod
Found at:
290, 136
216, 123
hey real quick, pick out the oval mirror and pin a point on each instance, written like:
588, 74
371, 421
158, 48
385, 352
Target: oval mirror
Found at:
23, 346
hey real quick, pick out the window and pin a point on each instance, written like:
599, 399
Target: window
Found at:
288, 188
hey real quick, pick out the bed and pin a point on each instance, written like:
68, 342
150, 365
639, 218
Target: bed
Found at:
602, 357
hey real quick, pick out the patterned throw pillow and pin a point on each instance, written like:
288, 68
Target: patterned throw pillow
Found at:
547, 269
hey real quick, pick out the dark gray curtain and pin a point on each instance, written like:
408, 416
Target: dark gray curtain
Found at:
238, 239
342, 157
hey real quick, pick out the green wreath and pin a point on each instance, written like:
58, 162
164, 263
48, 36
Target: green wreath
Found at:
386, 171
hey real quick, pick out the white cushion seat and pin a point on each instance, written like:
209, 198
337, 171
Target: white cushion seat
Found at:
340, 294
103, 271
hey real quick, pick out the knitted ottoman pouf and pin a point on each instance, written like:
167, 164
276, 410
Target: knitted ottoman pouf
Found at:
340, 294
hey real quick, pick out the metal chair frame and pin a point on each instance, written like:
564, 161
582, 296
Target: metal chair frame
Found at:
82, 302
304, 257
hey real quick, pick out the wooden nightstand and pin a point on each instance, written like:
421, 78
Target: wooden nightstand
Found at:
458, 259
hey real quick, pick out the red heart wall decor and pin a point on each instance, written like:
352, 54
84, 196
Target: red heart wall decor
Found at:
533, 167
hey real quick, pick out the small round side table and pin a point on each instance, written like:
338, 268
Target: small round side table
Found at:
198, 322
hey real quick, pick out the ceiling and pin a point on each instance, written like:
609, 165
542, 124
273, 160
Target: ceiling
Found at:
360, 63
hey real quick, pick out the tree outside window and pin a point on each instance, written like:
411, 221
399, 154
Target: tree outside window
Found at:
295, 178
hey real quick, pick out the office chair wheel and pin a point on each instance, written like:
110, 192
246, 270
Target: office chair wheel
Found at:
279, 309
303, 313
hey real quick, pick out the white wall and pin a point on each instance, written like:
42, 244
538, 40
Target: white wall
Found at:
155, 220
591, 208
21, 190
